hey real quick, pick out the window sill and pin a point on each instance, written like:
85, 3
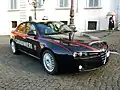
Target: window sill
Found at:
93, 8
63, 8
38, 9
12, 10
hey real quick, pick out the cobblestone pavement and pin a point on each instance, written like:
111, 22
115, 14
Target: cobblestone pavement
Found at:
22, 72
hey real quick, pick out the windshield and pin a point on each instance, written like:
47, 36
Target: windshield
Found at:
43, 29
61, 27
53, 28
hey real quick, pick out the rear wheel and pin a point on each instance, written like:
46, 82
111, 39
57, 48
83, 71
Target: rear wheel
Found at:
13, 47
49, 62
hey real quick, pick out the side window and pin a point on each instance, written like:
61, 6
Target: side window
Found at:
21, 28
31, 29
27, 28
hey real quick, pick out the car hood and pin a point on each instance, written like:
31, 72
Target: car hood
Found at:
80, 41
77, 36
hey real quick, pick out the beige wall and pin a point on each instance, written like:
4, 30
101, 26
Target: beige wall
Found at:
4, 24
82, 13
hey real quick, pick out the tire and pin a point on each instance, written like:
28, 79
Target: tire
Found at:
13, 47
49, 62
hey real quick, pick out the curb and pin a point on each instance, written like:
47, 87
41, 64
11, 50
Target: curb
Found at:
4, 35
100, 31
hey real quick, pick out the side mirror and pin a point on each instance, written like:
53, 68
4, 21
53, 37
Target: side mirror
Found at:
33, 33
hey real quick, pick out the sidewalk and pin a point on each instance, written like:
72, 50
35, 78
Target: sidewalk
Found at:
4, 38
101, 34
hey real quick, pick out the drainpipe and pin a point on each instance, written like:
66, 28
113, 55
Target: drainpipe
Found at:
72, 26
35, 6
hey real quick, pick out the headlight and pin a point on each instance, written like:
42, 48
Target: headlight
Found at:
85, 54
80, 54
75, 54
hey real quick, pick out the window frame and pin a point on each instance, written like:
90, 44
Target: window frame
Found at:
58, 4
14, 24
94, 20
40, 4
13, 4
88, 4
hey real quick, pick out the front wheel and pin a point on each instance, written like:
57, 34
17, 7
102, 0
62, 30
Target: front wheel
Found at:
49, 62
13, 47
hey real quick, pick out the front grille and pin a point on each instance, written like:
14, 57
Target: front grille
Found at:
92, 55
93, 61
103, 56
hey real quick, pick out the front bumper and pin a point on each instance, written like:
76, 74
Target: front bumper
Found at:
93, 63
83, 64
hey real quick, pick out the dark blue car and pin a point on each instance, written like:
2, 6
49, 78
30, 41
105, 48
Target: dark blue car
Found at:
58, 46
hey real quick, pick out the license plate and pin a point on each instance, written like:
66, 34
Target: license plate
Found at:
104, 62
108, 54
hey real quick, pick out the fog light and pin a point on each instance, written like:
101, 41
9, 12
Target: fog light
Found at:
80, 67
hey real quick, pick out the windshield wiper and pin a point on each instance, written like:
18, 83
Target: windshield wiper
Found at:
65, 31
52, 33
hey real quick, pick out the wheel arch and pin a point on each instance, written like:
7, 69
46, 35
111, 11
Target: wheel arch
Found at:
11, 40
44, 49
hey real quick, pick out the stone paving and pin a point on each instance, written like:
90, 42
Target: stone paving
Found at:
22, 72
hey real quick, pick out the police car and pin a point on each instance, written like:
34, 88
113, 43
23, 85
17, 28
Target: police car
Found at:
57, 46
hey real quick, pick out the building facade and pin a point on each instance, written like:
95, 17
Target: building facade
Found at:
4, 18
90, 15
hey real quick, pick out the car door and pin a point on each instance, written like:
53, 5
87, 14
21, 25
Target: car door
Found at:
32, 40
21, 36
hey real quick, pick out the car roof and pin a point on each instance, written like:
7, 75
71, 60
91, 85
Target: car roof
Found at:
41, 22
28, 22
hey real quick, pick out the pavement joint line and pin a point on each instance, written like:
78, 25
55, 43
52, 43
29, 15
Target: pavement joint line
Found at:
108, 33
